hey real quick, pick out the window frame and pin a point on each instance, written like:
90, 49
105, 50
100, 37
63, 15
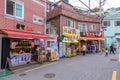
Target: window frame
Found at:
79, 27
92, 27
48, 31
107, 25
72, 23
14, 16
115, 23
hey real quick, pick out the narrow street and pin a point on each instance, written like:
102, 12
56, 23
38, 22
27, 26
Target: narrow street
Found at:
89, 67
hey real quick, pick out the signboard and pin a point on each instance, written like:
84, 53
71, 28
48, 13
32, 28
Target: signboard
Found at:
20, 59
29, 28
71, 34
90, 34
56, 50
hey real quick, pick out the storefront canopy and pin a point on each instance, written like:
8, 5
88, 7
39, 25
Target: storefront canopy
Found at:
18, 34
92, 38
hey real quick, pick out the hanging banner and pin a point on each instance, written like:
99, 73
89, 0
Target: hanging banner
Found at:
56, 50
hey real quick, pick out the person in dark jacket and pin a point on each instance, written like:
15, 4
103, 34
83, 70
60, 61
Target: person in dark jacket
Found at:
89, 50
112, 49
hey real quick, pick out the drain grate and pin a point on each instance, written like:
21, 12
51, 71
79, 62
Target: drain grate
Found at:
49, 75
113, 59
22, 74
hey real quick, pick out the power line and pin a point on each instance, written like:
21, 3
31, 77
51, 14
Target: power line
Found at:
85, 4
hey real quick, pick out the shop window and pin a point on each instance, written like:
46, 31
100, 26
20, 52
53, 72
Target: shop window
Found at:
117, 23
106, 23
14, 9
21, 51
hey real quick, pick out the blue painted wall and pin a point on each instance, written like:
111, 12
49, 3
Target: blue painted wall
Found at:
111, 15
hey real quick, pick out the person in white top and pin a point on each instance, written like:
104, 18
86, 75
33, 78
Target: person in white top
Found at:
84, 49
115, 45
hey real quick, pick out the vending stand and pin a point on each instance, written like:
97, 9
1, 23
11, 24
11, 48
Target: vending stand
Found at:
69, 40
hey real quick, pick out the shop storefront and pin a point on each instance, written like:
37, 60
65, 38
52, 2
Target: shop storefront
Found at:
19, 48
92, 38
69, 41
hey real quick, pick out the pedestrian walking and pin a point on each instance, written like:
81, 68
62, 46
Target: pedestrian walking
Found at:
115, 45
93, 48
112, 49
106, 52
48, 55
89, 49
84, 49
96, 48
40, 55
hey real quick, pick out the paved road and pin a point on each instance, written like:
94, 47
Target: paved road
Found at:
89, 67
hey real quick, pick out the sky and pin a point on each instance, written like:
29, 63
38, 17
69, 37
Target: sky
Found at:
95, 3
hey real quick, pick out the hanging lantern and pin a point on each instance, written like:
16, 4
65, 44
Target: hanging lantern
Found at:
99, 34
90, 34
96, 34
86, 34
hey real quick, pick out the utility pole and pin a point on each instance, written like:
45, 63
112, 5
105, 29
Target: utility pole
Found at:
101, 3
100, 15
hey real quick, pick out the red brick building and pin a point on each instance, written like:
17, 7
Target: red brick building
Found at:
22, 12
21, 23
63, 14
